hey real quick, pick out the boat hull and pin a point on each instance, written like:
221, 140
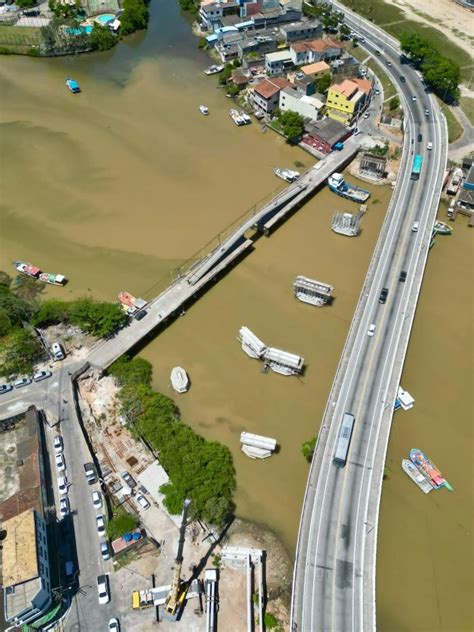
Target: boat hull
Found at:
179, 380
417, 476
355, 195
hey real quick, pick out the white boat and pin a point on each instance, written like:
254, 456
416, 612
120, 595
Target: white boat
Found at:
286, 174
179, 379
245, 117
252, 345
236, 117
283, 362
256, 446
417, 476
312, 292
214, 69
204, 110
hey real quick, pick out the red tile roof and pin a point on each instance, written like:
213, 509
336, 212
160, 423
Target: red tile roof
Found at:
267, 88
364, 85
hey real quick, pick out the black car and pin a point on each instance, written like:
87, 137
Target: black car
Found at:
141, 314
403, 276
383, 295
403, 80
420, 138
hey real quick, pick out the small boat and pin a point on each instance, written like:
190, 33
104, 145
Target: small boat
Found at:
131, 304
236, 117
429, 468
417, 476
245, 117
27, 268
179, 379
214, 69
338, 185
286, 174
53, 279
442, 229
73, 85
204, 110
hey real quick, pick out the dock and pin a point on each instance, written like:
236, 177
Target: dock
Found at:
279, 361
312, 292
257, 446
347, 224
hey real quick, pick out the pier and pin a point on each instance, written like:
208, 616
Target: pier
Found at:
312, 292
171, 302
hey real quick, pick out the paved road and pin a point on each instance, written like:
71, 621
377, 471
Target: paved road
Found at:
334, 580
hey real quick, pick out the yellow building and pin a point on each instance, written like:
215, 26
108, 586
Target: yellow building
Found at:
347, 98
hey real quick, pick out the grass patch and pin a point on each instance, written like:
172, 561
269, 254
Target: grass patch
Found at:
359, 53
389, 89
19, 39
467, 106
454, 127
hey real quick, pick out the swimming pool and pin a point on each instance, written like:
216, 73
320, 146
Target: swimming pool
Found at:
105, 18
80, 30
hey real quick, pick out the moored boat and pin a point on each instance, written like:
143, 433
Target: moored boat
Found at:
179, 379
204, 110
214, 69
131, 304
236, 117
27, 268
245, 117
73, 85
442, 229
417, 476
53, 279
338, 185
429, 468
286, 174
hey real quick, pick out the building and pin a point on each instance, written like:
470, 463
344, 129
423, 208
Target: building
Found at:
316, 71
315, 50
347, 98
297, 31
469, 181
323, 135
278, 63
301, 81
211, 13
25, 568
294, 99
266, 94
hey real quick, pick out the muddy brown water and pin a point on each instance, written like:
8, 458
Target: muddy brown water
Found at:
120, 185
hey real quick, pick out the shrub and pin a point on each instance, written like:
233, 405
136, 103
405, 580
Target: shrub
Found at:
120, 524
102, 38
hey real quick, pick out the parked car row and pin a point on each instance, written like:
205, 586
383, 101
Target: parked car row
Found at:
24, 381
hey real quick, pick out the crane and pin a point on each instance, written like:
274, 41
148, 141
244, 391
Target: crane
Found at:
177, 592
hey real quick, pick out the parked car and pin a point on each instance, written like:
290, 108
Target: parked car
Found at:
143, 502
371, 330
377, 91
103, 589
114, 625
60, 462
100, 524
128, 478
41, 375
403, 276
22, 381
97, 500
57, 351
5, 388
58, 444
63, 485
105, 550
141, 314
64, 507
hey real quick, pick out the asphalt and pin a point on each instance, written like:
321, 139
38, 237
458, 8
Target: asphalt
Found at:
334, 580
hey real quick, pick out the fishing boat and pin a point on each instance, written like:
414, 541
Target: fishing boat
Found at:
286, 174
73, 85
312, 292
214, 69
442, 229
204, 110
27, 268
417, 476
53, 279
245, 117
235, 116
429, 468
179, 379
130, 304
338, 185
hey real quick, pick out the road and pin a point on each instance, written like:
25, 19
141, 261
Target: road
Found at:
334, 579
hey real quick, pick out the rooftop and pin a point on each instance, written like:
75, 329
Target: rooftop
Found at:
328, 130
20, 561
364, 85
311, 69
347, 88
279, 55
267, 88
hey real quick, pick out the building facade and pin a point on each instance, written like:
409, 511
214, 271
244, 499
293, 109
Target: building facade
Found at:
278, 63
266, 94
296, 100
345, 100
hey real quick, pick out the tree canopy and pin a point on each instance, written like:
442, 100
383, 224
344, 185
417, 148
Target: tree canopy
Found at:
134, 17
292, 124
102, 38
323, 83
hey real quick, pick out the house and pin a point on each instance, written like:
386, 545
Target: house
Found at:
323, 135
211, 13
469, 181
347, 98
294, 99
301, 81
303, 30
278, 63
25, 568
315, 50
241, 77
265, 95
315, 71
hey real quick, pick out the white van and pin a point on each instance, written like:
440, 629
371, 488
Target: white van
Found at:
57, 351
415, 227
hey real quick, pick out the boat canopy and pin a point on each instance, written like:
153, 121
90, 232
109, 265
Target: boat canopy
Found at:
283, 357
249, 338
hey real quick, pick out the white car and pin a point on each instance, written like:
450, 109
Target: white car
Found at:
415, 227
5, 388
63, 485
60, 462
105, 550
429, 145
377, 91
366, 115
103, 589
371, 330
97, 500
114, 625
58, 444
413, 98
143, 502
100, 524
64, 507
41, 375
22, 381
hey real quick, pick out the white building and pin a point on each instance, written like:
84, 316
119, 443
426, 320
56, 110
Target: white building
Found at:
297, 101
25, 568
278, 63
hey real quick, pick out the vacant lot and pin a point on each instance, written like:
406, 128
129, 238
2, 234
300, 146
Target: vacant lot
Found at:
467, 106
19, 39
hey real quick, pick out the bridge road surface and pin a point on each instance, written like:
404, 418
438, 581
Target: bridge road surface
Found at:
334, 579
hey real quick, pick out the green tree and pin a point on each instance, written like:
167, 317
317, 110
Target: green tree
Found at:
344, 31
96, 318
102, 38
394, 103
292, 124
137, 371
323, 83
121, 524
51, 312
23, 4
225, 74
19, 351
14, 307
134, 17
308, 448
5, 279
233, 90
443, 76
271, 622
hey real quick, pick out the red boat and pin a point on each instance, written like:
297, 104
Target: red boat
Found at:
26, 268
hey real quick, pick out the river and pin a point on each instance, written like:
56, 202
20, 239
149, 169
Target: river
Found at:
120, 185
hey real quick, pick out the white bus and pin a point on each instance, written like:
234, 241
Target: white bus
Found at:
344, 440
